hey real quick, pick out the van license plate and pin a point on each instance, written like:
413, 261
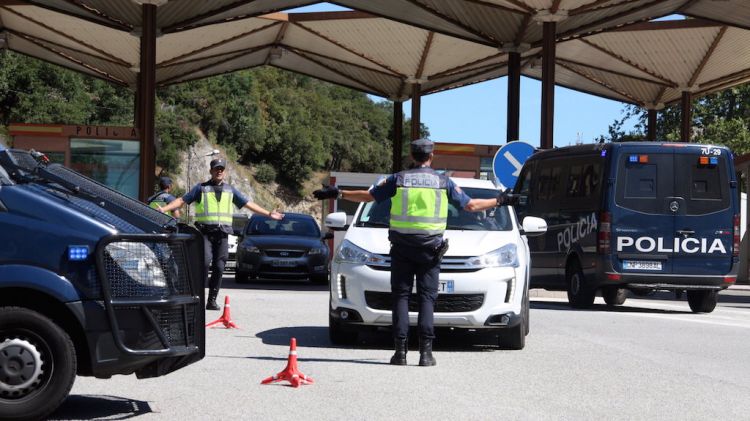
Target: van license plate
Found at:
641, 265
444, 287
281, 263
231, 264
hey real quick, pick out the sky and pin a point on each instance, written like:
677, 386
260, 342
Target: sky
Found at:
477, 113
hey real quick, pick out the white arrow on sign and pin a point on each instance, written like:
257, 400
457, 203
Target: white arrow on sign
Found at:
512, 159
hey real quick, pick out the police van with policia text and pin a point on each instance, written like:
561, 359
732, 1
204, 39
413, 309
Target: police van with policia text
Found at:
640, 216
92, 283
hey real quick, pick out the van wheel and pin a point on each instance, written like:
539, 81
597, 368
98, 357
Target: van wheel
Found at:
338, 335
580, 295
37, 364
702, 301
515, 337
614, 296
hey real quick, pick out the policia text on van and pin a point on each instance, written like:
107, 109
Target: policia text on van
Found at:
638, 216
92, 283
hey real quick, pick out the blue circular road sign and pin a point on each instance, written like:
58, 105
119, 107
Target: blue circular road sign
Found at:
509, 160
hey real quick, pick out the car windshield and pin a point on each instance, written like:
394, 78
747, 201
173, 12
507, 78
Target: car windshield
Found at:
378, 215
305, 227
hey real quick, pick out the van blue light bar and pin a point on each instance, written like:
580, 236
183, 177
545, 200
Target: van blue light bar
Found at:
78, 253
633, 158
714, 160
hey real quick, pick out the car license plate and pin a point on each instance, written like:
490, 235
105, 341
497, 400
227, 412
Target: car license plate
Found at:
230, 264
444, 287
283, 263
641, 265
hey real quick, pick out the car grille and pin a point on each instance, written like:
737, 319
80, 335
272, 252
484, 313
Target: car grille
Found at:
453, 264
445, 303
284, 253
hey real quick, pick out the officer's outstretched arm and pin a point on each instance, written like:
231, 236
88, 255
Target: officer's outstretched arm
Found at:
478, 205
357, 195
175, 204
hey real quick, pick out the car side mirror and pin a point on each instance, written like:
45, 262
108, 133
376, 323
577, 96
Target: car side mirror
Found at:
533, 226
336, 221
327, 236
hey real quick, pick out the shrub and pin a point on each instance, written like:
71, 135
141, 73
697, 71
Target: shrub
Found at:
265, 173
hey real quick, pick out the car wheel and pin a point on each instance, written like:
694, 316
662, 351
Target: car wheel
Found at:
319, 279
614, 296
241, 277
37, 364
702, 301
514, 338
338, 335
580, 295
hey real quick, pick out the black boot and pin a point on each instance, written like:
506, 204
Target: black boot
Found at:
211, 300
399, 357
425, 353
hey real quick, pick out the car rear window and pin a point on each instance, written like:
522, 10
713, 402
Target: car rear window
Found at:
288, 226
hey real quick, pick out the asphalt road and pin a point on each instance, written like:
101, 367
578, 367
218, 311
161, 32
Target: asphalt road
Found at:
650, 359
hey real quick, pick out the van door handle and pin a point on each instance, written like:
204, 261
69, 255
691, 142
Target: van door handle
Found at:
685, 233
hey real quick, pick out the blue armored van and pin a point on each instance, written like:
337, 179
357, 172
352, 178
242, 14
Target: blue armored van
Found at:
92, 283
638, 216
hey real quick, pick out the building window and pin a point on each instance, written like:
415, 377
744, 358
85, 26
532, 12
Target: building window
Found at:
114, 163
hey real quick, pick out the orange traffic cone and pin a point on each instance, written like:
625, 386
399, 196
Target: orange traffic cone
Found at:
291, 373
226, 317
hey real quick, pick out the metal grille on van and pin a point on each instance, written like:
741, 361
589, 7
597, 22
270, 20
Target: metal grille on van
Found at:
148, 269
452, 264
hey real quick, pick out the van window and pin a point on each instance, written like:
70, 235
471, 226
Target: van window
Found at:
708, 186
548, 183
643, 186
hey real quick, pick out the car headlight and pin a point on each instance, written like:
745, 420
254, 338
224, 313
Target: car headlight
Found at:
252, 249
505, 256
139, 262
349, 253
314, 251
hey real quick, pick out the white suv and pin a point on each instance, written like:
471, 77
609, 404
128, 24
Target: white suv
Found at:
483, 276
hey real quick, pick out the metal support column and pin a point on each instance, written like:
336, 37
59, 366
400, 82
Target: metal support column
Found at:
398, 134
514, 96
416, 109
548, 85
686, 117
651, 128
147, 98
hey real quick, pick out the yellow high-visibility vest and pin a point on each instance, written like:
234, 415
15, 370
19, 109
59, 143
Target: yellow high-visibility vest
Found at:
210, 211
420, 205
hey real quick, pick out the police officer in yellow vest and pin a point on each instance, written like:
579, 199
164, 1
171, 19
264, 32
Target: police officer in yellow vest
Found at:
213, 217
419, 213
164, 196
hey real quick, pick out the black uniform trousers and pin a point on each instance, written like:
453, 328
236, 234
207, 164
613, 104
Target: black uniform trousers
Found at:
408, 263
216, 252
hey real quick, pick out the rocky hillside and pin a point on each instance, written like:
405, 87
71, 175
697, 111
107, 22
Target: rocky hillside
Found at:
271, 196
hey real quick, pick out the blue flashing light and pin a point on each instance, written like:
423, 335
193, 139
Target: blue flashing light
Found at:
78, 253
604, 152
633, 158
714, 160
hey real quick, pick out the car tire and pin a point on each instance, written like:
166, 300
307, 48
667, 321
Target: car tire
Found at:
319, 279
614, 296
241, 277
47, 370
702, 301
338, 335
514, 338
580, 295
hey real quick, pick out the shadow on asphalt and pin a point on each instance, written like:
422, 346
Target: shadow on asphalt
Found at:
84, 407
317, 337
273, 284
625, 308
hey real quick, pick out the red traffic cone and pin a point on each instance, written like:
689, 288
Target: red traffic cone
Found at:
291, 373
226, 317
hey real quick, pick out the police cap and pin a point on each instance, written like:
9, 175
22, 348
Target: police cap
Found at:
423, 145
165, 181
218, 162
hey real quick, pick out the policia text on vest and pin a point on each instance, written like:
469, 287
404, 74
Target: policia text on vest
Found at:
418, 217
213, 217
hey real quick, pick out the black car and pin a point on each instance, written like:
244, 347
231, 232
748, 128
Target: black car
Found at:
289, 249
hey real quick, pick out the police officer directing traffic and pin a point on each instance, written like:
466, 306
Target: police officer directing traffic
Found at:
213, 217
163, 197
419, 214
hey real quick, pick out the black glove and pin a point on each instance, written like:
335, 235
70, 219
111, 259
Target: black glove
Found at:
327, 192
506, 198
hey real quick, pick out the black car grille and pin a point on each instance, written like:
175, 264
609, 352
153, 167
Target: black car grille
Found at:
445, 303
452, 264
132, 271
284, 253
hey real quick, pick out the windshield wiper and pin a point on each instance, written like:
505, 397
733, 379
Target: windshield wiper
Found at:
374, 224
